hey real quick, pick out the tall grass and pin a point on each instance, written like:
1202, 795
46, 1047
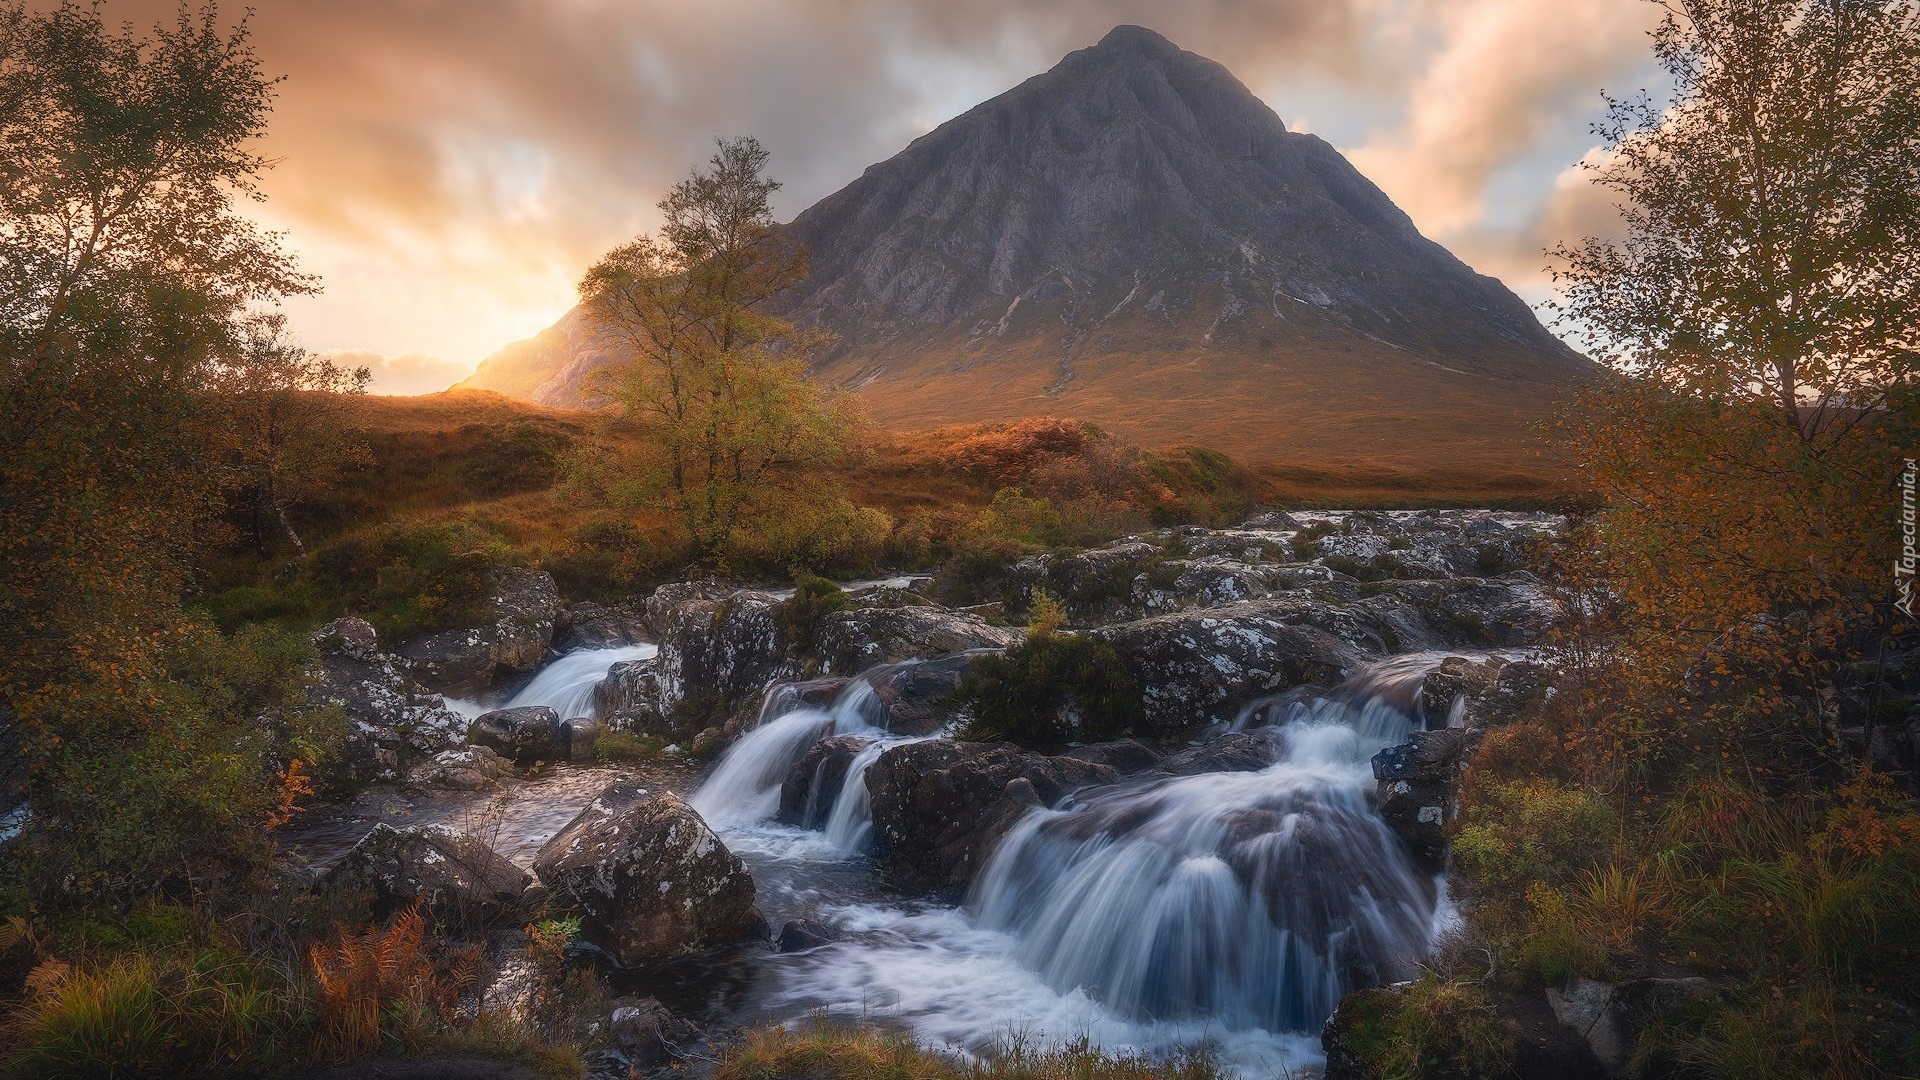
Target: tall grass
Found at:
145, 1014
827, 1050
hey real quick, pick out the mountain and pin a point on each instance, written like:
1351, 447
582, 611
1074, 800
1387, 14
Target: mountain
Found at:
1134, 238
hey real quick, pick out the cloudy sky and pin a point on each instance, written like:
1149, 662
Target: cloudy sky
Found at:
449, 167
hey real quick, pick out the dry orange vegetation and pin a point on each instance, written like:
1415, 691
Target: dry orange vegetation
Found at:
429, 449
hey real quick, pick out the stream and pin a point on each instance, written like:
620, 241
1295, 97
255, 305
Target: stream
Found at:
1154, 914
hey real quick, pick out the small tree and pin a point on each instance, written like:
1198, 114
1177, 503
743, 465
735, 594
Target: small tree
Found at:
1761, 321
717, 381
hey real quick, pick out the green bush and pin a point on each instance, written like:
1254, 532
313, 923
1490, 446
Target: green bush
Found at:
1434, 1029
1049, 690
814, 598
405, 578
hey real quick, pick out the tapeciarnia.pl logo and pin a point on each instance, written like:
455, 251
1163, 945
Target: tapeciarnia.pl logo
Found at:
1903, 567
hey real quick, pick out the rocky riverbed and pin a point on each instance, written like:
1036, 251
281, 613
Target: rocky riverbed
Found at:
813, 837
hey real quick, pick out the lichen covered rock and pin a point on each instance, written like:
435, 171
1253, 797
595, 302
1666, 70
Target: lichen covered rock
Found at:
649, 877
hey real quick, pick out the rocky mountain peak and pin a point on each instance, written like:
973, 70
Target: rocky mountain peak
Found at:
1064, 246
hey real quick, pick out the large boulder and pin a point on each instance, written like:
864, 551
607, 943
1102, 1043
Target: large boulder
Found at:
649, 877
524, 735
660, 605
458, 881
849, 642
513, 640
1361, 1027
939, 807
1200, 667
394, 721
814, 783
1610, 1017
716, 655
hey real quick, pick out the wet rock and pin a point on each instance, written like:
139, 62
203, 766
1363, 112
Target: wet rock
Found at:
457, 880
1272, 521
629, 698
939, 807
1418, 791
798, 935
1482, 612
395, 722
850, 642
472, 661
915, 695
1240, 751
1199, 667
524, 735
649, 876
1123, 756
1451, 684
659, 607
579, 737
818, 693
814, 782
588, 625
463, 768
646, 1032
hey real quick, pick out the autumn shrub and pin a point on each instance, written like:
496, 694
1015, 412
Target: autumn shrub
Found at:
193, 754
154, 1014
1520, 847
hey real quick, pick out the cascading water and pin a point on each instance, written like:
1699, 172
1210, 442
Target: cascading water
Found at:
566, 685
745, 786
850, 824
1257, 898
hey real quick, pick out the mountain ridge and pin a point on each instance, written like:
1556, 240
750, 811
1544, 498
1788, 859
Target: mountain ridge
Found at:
1132, 219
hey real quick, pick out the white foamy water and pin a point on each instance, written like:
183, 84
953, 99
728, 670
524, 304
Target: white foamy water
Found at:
566, 685
1257, 899
957, 983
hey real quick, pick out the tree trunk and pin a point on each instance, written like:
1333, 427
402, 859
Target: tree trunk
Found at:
299, 549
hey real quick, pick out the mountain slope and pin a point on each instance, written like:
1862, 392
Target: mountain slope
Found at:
1135, 239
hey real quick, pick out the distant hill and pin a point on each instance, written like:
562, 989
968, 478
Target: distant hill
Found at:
1133, 238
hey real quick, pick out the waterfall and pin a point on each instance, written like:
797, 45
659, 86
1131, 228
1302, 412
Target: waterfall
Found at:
745, 786
566, 685
1256, 898
850, 825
